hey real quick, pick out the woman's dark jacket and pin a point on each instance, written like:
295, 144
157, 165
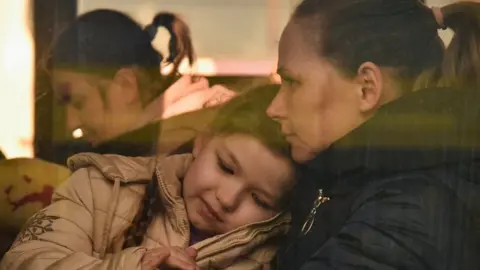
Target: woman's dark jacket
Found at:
404, 190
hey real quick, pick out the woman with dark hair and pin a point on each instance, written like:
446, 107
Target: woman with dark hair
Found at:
390, 174
107, 73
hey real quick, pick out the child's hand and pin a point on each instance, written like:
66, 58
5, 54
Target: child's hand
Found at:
169, 258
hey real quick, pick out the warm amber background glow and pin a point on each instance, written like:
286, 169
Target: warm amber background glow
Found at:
16, 79
219, 53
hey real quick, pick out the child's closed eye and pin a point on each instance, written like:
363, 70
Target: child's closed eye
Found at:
262, 203
224, 166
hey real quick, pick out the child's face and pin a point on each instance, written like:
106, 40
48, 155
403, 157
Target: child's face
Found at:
234, 180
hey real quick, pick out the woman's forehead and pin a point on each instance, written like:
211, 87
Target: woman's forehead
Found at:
294, 47
61, 75
70, 82
74, 78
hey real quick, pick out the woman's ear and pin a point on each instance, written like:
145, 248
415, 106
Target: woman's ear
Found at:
370, 78
200, 142
127, 87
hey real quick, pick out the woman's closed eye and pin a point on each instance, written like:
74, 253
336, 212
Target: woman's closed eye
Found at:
77, 103
287, 80
64, 94
64, 99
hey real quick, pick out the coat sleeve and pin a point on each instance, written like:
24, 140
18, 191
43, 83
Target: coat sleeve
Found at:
407, 224
60, 236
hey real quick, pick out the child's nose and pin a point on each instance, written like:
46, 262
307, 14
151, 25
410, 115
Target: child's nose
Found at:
229, 195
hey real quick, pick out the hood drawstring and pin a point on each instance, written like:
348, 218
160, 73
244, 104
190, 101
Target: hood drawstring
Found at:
110, 215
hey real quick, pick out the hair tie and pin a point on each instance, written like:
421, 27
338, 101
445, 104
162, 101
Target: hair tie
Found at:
152, 31
438, 14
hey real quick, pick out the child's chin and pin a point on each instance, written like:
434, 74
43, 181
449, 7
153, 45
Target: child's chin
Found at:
198, 223
202, 227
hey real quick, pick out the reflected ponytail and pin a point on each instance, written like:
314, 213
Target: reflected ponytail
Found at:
103, 41
180, 44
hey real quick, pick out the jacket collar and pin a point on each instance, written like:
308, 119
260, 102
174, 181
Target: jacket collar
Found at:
127, 170
170, 170
421, 130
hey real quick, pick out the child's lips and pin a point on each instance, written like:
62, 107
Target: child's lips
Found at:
208, 211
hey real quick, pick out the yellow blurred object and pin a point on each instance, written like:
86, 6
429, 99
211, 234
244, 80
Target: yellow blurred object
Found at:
26, 186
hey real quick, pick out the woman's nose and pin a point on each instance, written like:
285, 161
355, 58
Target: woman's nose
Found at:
276, 110
229, 195
73, 118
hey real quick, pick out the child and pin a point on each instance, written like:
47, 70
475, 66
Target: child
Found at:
221, 207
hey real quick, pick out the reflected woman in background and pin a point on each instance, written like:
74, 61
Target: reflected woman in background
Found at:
107, 76
107, 73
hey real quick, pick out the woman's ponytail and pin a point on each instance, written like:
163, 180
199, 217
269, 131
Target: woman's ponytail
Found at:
179, 47
461, 64
460, 67
180, 44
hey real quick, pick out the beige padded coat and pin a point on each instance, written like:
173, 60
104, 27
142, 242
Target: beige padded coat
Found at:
84, 226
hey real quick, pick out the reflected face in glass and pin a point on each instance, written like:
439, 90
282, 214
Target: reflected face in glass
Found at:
101, 107
234, 180
81, 96
316, 104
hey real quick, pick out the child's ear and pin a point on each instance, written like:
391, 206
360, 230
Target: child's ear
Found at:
200, 143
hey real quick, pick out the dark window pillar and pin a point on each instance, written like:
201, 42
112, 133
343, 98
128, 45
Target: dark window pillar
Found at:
49, 18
